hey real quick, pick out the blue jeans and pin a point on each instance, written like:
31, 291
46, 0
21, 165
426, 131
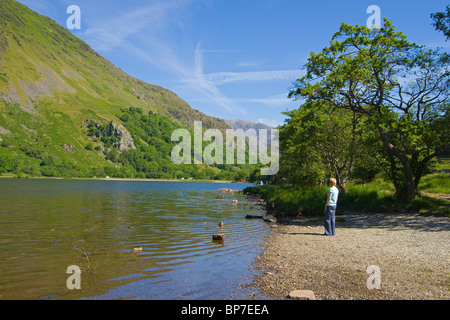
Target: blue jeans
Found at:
330, 220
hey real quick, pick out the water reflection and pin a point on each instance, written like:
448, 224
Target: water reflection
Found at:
47, 225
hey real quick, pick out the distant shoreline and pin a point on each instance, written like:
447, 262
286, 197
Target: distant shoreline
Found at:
118, 179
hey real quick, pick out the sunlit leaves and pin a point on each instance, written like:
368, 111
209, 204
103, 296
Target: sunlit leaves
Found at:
400, 88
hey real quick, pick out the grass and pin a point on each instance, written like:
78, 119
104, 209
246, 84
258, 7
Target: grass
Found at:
435, 183
376, 196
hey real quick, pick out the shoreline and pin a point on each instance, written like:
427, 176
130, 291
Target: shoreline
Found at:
122, 179
411, 251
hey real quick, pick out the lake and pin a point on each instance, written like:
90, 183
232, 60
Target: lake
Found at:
48, 225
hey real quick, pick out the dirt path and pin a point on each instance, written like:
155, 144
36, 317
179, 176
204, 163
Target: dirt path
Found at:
411, 251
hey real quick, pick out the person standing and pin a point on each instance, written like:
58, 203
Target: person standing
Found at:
330, 208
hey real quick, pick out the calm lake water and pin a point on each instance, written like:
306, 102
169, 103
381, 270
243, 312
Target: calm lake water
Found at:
48, 225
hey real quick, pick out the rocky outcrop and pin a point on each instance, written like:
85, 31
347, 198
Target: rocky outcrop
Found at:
4, 130
126, 141
69, 148
228, 190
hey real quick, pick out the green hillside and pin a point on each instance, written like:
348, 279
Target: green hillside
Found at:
55, 90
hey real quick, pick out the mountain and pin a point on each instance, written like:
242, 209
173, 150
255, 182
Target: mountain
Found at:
64, 108
39, 59
247, 124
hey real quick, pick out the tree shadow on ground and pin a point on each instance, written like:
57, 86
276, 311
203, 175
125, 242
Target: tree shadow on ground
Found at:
389, 221
306, 233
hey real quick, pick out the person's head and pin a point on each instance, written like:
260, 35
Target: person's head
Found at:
332, 182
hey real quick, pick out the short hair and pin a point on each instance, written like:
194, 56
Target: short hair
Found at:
332, 182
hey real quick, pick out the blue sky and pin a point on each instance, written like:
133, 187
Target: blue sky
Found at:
227, 58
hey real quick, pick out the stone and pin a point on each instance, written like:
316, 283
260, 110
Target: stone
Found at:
302, 295
218, 236
270, 219
228, 190
251, 216
69, 148
4, 131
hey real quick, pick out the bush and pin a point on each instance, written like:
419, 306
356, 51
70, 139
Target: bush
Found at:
293, 200
89, 146
376, 196
47, 172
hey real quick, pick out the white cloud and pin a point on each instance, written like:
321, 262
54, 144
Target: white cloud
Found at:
276, 101
155, 49
250, 64
220, 78
280, 100
163, 56
106, 35
202, 84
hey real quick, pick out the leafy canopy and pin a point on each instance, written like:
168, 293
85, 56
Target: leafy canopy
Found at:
400, 88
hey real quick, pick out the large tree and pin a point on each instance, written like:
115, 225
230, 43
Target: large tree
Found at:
400, 88
319, 141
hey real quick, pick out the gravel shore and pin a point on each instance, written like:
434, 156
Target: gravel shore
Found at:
411, 251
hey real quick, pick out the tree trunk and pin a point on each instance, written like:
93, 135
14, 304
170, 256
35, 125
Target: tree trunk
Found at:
405, 189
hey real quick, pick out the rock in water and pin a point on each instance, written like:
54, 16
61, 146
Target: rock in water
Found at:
270, 219
218, 236
251, 216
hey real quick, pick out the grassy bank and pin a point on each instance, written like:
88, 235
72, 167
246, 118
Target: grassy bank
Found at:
377, 196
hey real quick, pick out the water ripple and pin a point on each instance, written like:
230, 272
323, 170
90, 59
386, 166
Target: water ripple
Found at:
47, 225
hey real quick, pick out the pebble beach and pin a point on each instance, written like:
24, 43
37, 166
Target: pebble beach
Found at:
410, 254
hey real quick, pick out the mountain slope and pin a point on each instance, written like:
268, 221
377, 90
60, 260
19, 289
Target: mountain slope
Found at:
52, 85
39, 57
247, 124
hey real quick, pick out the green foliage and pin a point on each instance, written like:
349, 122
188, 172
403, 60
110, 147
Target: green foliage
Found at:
107, 134
399, 89
90, 146
152, 135
376, 196
319, 141
7, 163
441, 21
